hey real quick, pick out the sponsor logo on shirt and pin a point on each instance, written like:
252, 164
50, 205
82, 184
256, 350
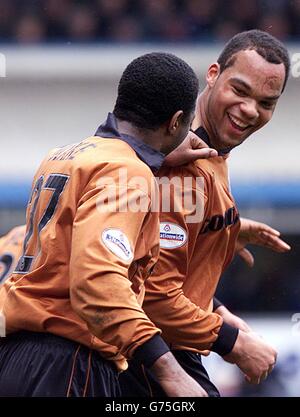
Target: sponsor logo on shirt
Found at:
117, 242
221, 221
172, 236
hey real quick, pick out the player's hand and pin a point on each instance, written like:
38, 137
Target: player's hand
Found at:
253, 356
174, 380
260, 234
232, 319
190, 149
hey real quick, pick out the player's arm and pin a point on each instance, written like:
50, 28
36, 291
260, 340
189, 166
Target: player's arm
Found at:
257, 233
189, 150
250, 353
228, 317
255, 358
182, 321
103, 245
102, 294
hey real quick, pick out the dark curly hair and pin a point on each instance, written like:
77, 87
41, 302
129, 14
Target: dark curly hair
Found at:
270, 48
153, 87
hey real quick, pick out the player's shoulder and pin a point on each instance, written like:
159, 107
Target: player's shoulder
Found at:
75, 151
206, 166
118, 154
14, 236
18, 232
2, 242
192, 169
95, 157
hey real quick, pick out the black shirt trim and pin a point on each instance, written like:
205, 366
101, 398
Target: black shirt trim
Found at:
150, 351
202, 133
226, 339
151, 157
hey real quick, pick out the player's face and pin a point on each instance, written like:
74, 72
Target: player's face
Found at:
242, 98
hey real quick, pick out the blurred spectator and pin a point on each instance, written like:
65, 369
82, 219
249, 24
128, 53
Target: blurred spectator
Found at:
82, 25
109, 13
274, 6
294, 18
6, 18
174, 29
245, 12
154, 9
144, 20
30, 29
276, 25
125, 29
153, 15
225, 30
201, 17
111, 9
57, 14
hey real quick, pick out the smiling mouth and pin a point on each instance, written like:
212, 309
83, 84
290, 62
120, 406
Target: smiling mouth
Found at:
238, 124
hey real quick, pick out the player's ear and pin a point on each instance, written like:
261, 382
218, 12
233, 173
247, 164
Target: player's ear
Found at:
175, 122
212, 74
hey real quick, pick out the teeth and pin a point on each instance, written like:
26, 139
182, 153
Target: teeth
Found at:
237, 122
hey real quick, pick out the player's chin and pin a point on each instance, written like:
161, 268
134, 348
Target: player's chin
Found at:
238, 139
231, 142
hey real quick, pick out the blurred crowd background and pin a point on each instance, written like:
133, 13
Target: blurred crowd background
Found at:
36, 21
59, 88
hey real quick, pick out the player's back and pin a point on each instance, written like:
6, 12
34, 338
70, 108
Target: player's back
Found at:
65, 192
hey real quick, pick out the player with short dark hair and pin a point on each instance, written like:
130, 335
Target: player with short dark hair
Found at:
266, 45
138, 91
240, 97
73, 305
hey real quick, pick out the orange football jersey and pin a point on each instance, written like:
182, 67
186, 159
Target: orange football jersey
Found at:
82, 272
10, 251
193, 256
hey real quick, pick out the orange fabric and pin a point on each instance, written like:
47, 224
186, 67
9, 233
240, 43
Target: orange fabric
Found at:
10, 251
179, 293
77, 287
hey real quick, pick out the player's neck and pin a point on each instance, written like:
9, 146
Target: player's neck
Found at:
150, 137
201, 117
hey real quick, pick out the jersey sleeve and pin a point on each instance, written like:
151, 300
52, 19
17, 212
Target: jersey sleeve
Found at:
103, 247
183, 323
